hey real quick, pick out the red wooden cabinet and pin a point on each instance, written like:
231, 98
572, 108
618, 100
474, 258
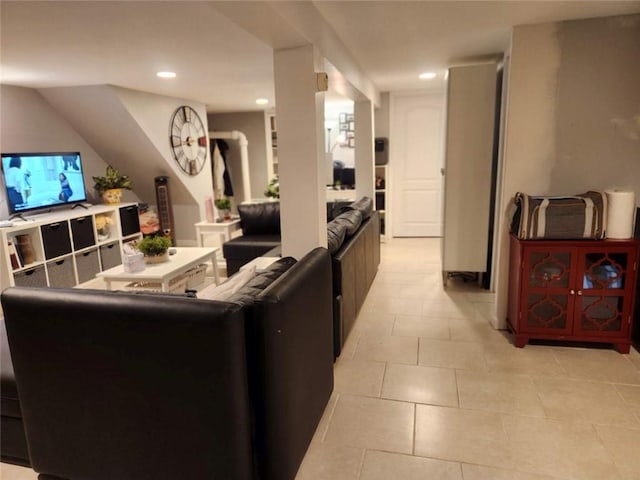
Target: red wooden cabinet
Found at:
581, 290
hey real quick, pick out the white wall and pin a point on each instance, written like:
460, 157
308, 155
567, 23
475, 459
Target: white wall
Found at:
381, 124
252, 124
29, 124
153, 114
572, 116
332, 110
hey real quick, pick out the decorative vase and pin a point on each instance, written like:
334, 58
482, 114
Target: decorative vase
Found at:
113, 196
163, 257
226, 215
104, 233
23, 243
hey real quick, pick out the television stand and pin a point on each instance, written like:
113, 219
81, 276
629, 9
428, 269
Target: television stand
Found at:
69, 247
76, 205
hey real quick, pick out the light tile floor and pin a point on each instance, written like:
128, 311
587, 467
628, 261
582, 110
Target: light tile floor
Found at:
426, 389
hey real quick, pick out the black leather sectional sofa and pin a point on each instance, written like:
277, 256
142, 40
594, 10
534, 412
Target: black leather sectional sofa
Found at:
116, 385
353, 238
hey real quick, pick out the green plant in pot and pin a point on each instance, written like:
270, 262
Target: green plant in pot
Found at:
224, 206
154, 248
110, 186
273, 189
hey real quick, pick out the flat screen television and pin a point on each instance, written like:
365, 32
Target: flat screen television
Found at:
34, 181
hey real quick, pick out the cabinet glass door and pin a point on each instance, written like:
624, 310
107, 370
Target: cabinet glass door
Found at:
546, 297
549, 269
547, 312
603, 280
601, 314
602, 271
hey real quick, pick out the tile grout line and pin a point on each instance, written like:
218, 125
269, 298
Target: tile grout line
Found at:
415, 426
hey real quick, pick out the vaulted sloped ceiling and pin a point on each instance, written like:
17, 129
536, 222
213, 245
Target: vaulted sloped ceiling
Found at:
100, 114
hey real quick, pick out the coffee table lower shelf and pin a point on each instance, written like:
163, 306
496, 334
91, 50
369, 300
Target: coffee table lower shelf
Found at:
186, 269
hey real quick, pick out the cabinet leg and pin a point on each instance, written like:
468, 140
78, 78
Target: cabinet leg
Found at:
520, 342
622, 347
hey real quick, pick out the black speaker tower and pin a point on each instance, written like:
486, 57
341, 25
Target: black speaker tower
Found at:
165, 209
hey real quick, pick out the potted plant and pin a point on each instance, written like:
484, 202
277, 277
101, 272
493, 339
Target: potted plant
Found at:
224, 205
155, 248
273, 189
110, 186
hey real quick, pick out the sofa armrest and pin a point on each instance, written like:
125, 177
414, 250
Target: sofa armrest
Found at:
294, 330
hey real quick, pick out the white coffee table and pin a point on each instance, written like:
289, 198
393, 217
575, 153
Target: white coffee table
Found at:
162, 273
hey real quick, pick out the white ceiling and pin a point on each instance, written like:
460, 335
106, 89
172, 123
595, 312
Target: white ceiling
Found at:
56, 43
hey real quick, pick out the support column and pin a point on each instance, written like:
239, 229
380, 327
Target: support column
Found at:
300, 118
364, 137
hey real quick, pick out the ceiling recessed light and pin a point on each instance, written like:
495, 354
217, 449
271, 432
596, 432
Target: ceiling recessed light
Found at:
262, 101
427, 76
166, 74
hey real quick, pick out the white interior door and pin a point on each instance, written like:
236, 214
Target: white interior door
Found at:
417, 138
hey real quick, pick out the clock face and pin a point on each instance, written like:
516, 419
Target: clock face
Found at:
188, 139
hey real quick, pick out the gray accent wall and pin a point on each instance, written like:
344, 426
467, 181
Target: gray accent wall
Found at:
572, 116
597, 142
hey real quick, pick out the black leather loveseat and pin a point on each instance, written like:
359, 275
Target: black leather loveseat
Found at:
260, 223
123, 386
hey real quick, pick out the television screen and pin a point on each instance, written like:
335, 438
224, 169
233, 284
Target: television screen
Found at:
40, 180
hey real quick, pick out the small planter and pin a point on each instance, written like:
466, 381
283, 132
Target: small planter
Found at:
155, 249
113, 196
150, 259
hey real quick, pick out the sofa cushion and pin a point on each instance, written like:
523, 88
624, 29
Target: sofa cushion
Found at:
264, 278
336, 233
364, 206
248, 294
335, 208
260, 218
351, 220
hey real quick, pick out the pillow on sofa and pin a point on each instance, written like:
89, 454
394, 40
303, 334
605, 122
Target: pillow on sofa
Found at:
351, 220
260, 218
336, 233
223, 291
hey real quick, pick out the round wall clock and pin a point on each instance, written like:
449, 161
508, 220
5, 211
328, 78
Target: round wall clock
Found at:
188, 140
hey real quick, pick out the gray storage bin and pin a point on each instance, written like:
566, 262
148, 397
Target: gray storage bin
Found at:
34, 277
61, 273
110, 255
87, 265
